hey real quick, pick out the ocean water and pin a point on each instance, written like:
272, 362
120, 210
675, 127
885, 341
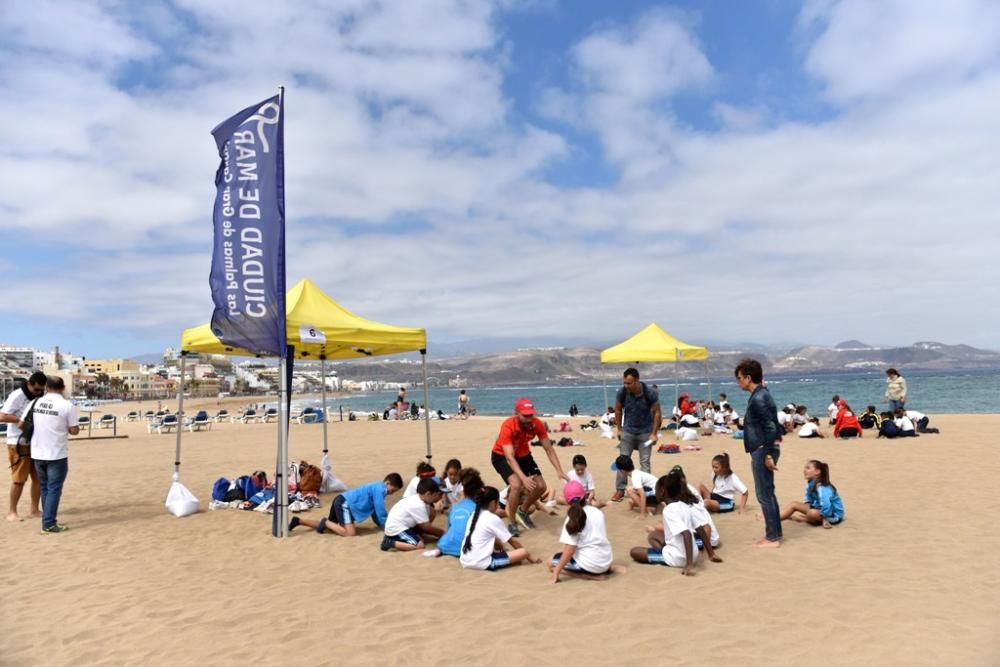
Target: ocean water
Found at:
932, 392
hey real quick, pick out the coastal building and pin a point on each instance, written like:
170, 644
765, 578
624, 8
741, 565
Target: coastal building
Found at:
109, 366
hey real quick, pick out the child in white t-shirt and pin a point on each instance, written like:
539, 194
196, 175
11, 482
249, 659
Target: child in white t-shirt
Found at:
642, 486
424, 469
725, 485
410, 518
452, 483
485, 536
587, 551
811, 429
674, 544
904, 424
581, 475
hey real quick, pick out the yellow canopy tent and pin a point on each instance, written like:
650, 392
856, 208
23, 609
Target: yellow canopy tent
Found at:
319, 328
653, 344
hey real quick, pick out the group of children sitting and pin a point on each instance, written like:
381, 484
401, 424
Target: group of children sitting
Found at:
477, 533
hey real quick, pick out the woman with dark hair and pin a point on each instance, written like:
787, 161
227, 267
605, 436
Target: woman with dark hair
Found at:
485, 531
895, 390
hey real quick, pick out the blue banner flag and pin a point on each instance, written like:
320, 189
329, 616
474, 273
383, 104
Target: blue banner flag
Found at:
248, 258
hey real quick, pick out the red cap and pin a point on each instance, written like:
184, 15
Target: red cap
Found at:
525, 407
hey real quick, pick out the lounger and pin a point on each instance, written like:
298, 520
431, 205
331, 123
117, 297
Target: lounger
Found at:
167, 423
83, 420
132, 416
198, 422
106, 421
222, 415
246, 417
269, 415
308, 416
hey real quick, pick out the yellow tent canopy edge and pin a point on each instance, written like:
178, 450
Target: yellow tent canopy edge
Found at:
653, 344
348, 336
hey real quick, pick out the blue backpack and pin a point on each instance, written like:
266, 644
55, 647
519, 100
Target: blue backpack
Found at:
220, 488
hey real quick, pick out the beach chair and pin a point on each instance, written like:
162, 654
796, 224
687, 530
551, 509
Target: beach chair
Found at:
148, 415
246, 417
132, 416
199, 421
106, 421
271, 414
168, 423
83, 421
220, 416
307, 416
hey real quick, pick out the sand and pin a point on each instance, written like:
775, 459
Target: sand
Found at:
911, 577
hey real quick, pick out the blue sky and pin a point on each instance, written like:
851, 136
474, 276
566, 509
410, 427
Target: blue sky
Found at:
768, 171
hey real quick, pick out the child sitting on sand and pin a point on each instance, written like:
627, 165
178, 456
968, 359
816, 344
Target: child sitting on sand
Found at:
701, 515
673, 544
725, 485
452, 482
352, 507
870, 419
822, 504
846, 425
587, 551
642, 486
581, 475
811, 429
459, 515
424, 469
485, 536
904, 424
411, 518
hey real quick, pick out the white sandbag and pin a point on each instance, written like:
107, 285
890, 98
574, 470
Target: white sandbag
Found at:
330, 483
180, 501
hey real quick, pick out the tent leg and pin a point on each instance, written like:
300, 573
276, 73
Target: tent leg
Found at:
322, 374
604, 380
676, 392
427, 406
180, 422
279, 527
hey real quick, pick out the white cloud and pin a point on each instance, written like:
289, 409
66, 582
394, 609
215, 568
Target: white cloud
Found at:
874, 49
856, 226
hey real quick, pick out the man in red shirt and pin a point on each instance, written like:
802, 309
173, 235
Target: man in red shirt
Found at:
513, 461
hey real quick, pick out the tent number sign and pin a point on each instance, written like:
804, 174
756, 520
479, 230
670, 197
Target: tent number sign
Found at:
310, 334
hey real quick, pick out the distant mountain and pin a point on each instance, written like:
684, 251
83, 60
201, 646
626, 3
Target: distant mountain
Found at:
851, 345
581, 365
149, 358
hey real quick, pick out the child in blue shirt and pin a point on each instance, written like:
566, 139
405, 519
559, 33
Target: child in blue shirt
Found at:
352, 507
450, 543
822, 505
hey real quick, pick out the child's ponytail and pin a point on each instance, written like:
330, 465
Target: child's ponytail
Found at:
576, 518
487, 495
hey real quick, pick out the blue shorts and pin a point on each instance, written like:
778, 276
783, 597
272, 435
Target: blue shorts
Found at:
340, 511
572, 565
411, 537
725, 504
498, 561
655, 556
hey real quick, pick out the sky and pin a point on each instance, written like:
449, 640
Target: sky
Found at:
755, 171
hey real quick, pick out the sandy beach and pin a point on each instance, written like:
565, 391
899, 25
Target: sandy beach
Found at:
911, 577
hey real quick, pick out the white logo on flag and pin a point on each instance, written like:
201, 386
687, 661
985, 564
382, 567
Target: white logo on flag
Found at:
308, 334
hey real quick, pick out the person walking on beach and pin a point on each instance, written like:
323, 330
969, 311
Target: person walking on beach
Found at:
463, 404
512, 460
760, 440
637, 422
18, 452
895, 391
55, 420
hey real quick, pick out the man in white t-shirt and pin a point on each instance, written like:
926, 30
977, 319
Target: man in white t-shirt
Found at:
55, 420
19, 454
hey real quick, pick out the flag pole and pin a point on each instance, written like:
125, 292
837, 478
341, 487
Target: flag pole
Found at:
180, 423
280, 527
427, 405
322, 375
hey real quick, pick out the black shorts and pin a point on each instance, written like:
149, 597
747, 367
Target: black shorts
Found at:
340, 514
849, 432
527, 463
